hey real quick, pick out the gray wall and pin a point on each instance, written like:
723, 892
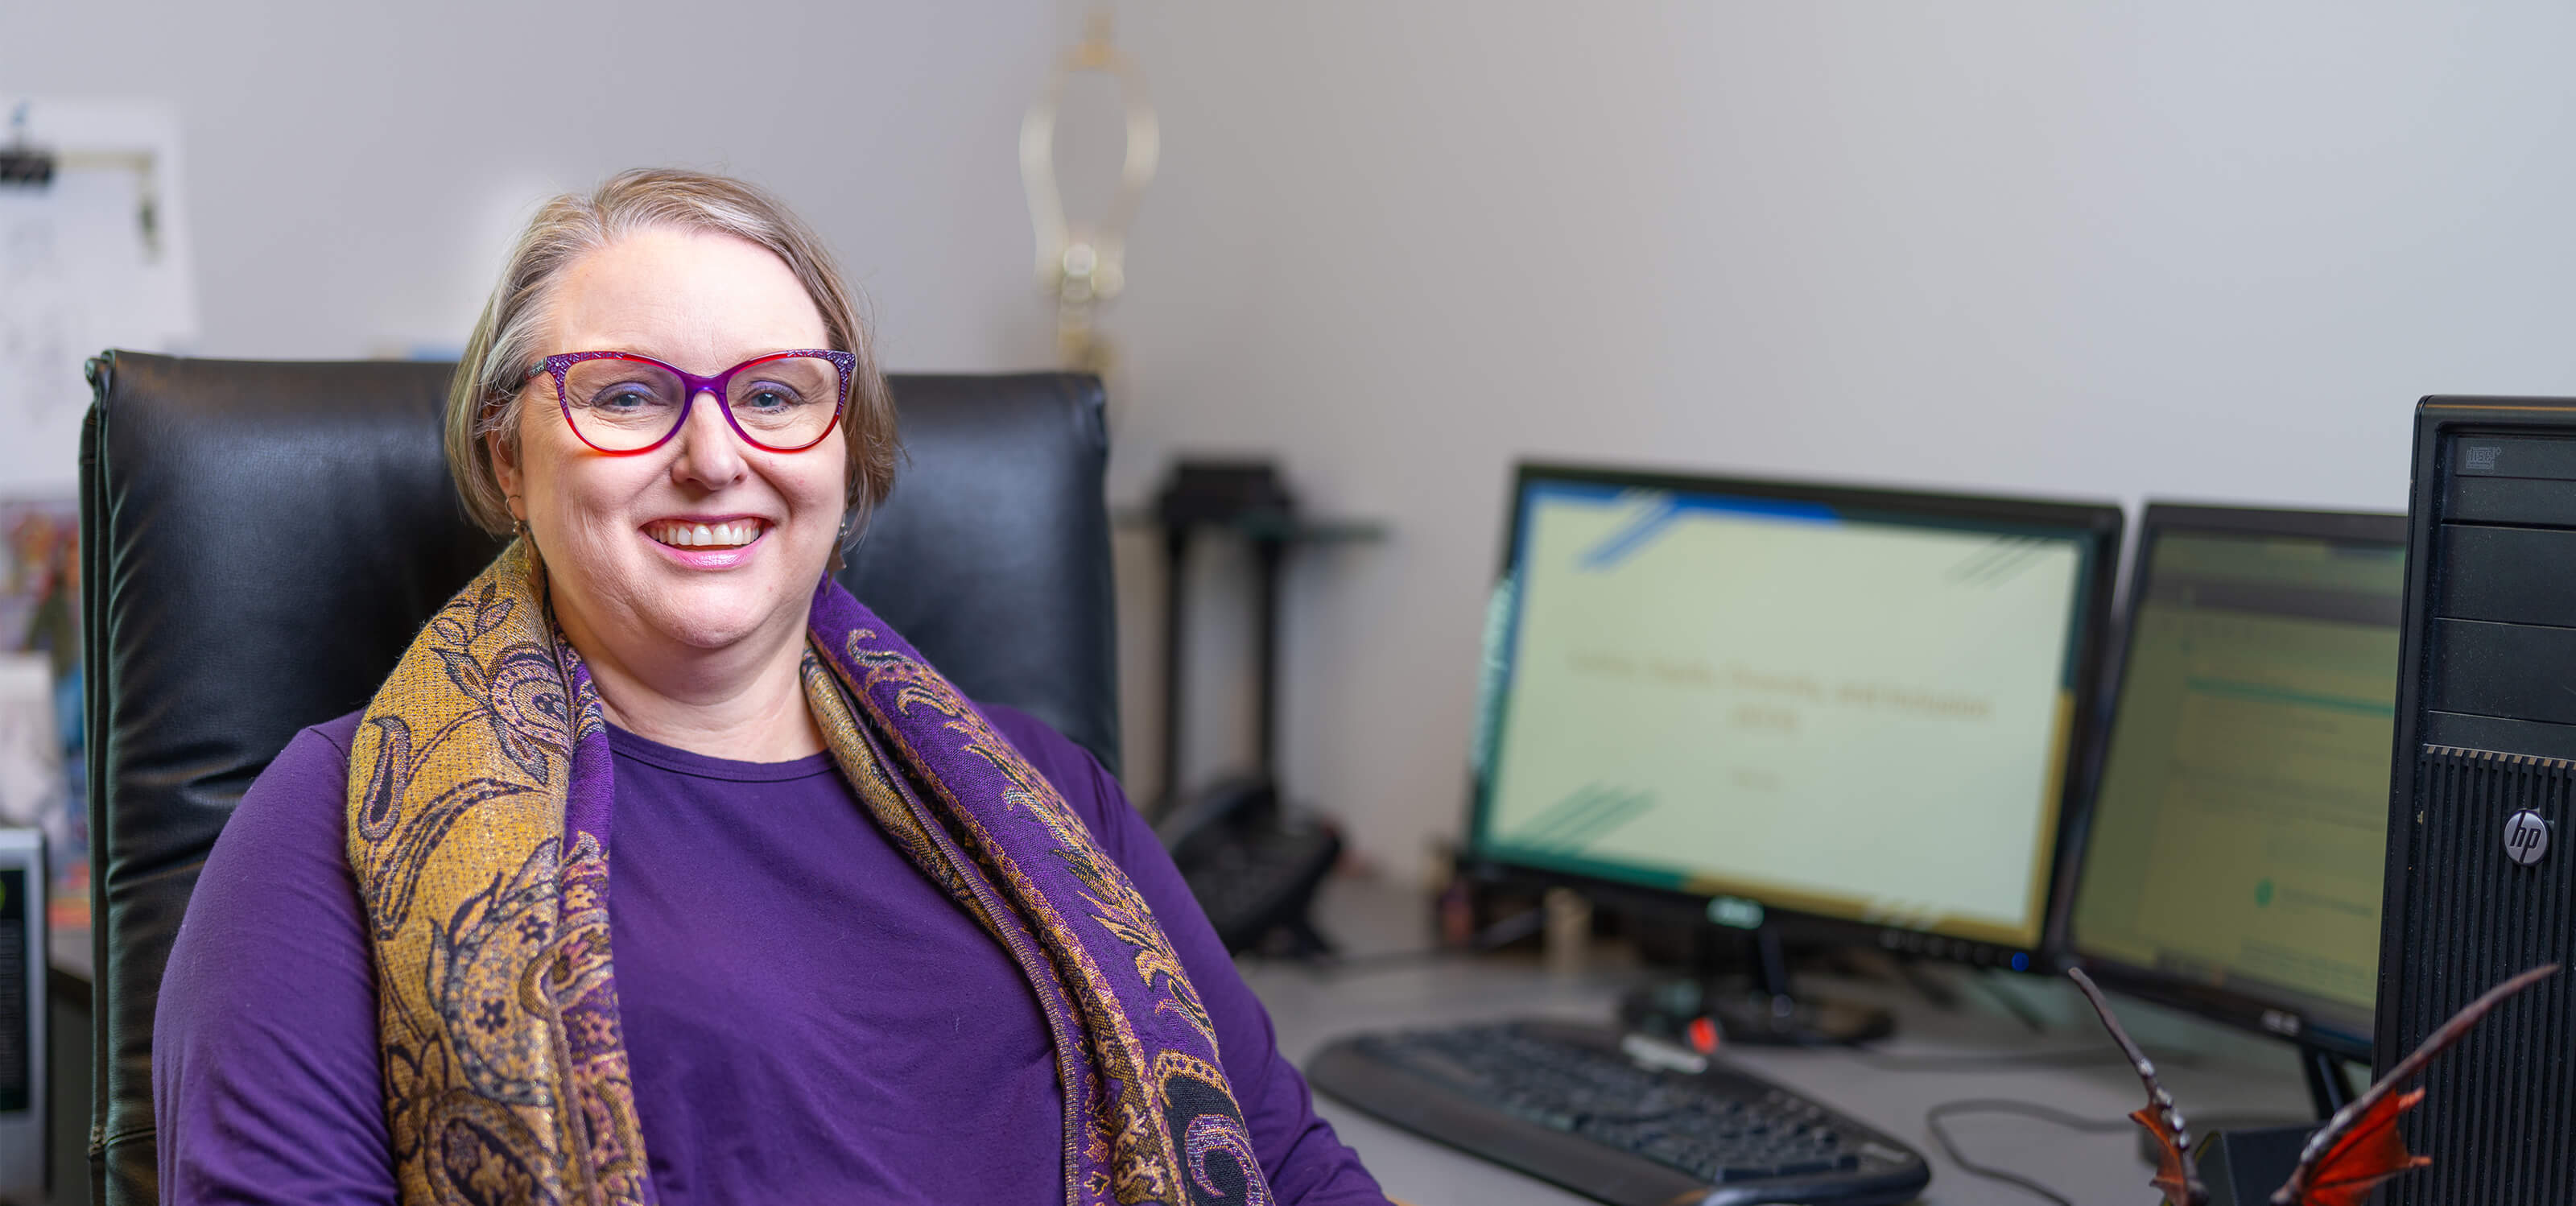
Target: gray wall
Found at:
357, 169
2194, 248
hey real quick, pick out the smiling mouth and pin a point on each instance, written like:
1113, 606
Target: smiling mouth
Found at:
732, 534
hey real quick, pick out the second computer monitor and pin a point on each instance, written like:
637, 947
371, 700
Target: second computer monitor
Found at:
1846, 708
2233, 855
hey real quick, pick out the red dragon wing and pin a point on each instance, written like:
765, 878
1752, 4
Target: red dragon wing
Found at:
2173, 1156
2359, 1147
2174, 1177
2371, 1152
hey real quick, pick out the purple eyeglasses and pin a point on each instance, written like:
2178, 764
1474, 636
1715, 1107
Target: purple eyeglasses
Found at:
621, 404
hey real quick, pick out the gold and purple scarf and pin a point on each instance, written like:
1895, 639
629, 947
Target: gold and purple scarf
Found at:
479, 807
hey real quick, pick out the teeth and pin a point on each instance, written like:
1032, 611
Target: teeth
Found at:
702, 535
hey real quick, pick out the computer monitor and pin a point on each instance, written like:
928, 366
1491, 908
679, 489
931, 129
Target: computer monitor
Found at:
2232, 857
22, 1016
1836, 712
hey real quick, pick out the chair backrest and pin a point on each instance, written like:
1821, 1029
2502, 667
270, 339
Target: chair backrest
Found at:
260, 542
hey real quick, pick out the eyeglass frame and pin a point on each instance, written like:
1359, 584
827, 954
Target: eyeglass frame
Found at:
560, 364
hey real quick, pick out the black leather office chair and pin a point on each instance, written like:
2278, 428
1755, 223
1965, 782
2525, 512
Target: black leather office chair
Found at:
260, 542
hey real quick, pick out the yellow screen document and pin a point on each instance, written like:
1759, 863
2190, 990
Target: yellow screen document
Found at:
1859, 717
2239, 837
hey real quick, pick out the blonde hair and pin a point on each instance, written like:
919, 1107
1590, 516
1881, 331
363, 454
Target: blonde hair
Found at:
484, 398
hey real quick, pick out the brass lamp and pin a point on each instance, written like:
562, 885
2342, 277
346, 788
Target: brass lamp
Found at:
1083, 265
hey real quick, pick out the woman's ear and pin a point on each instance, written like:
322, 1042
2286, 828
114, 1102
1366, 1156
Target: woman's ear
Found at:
505, 469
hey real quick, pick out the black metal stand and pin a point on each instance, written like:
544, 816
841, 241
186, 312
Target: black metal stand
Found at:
1247, 499
1253, 863
1176, 549
2329, 1085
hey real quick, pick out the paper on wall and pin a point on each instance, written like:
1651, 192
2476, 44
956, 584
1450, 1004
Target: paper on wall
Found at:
82, 271
31, 752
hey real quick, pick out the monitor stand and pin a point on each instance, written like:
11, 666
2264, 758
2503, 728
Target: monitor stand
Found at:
1705, 1010
2329, 1087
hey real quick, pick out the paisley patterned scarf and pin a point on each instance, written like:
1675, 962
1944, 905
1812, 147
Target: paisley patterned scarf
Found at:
479, 807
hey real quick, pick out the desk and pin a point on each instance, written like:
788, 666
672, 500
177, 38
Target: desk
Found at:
2211, 1071
2229, 1073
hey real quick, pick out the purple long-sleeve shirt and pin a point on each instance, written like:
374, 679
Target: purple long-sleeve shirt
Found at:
808, 1018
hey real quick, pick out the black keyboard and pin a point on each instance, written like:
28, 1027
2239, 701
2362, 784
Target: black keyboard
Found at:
1630, 1120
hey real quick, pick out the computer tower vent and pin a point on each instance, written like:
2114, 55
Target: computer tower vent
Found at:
2481, 877
2475, 917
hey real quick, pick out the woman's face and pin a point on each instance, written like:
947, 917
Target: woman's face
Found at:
703, 302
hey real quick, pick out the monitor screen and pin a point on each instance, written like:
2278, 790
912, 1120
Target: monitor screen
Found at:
1841, 704
17, 1059
2237, 835
23, 1127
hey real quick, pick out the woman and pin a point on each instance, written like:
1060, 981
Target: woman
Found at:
871, 943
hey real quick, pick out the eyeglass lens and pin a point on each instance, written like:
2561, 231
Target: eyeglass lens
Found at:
621, 405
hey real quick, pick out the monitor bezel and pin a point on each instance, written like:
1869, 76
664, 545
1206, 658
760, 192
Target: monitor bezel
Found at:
2100, 522
24, 1133
2274, 1016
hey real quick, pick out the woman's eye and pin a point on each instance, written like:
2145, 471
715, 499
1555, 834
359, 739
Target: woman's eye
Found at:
769, 397
622, 399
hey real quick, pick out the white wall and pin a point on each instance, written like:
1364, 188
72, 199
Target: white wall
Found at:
2190, 249
357, 169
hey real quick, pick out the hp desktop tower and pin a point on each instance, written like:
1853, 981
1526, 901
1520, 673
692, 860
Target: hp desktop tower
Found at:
2481, 856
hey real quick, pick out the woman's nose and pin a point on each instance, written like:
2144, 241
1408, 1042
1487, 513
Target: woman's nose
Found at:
710, 456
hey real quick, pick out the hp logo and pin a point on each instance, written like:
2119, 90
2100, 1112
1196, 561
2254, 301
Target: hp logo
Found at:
2526, 837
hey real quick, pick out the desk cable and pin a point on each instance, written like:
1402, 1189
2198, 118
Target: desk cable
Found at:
1493, 937
2071, 1057
2003, 1105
